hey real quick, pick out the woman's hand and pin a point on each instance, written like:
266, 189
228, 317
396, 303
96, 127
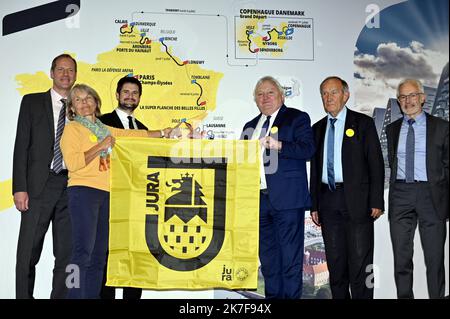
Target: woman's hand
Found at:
108, 142
95, 150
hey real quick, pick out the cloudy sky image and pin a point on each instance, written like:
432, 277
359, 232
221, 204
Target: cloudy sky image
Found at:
412, 41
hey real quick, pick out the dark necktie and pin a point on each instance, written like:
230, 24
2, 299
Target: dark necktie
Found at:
130, 123
409, 163
57, 155
330, 156
265, 127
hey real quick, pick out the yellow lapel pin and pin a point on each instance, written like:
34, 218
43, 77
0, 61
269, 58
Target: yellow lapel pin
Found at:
349, 132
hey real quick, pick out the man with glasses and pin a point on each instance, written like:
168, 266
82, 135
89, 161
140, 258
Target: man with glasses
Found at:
418, 193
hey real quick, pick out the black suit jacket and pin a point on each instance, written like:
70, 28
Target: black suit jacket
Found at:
33, 149
437, 159
112, 119
362, 166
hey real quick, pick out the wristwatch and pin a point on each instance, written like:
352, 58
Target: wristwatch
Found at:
162, 133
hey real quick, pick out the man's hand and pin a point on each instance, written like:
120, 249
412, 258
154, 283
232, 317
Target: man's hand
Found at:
197, 134
172, 132
315, 218
21, 201
376, 212
269, 142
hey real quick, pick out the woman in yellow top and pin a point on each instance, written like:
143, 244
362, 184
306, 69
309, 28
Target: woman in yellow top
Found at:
85, 145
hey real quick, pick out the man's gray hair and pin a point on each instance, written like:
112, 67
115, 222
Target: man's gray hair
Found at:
270, 79
343, 82
414, 82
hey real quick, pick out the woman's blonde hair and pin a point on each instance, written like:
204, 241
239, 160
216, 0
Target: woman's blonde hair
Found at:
89, 91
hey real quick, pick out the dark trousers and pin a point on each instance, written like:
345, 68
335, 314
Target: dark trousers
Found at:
110, 292
409, 204
348, 248
281, 237
50, 206
89, 210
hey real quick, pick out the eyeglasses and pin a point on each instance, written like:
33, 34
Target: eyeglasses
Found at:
403, 98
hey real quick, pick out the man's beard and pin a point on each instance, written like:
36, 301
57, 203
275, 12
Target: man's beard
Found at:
128, 106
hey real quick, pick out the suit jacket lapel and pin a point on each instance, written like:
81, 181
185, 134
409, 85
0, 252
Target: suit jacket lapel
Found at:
430, 133
253, 123
49, 111
350, 123
395, 137
280, 116
393, 145
322, 127
117, 121
140, 125
249, 128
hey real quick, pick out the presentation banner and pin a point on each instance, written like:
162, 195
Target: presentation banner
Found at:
184, 214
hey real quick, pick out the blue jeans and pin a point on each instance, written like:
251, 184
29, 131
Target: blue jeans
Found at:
89, 211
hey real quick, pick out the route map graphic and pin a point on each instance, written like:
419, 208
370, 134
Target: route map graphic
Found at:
176, 85
274, 38
165, 51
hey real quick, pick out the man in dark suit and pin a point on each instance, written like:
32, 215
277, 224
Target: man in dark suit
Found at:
286, 139
128, 94
418, 191
40, 180
347, 186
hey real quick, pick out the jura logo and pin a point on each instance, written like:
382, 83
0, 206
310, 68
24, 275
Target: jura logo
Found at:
186, 205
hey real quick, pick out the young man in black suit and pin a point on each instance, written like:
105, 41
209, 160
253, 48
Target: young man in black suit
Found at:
128, 94
40, 180
418, 190
347, 188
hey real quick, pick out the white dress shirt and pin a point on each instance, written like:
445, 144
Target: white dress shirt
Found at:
123, 116
255, 136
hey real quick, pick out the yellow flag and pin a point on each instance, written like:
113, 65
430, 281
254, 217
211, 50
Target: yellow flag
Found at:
184, 214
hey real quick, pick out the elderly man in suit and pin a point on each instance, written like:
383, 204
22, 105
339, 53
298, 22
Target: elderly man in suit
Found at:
347, 186
128, 94
40, 180
286, 139
418, 191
